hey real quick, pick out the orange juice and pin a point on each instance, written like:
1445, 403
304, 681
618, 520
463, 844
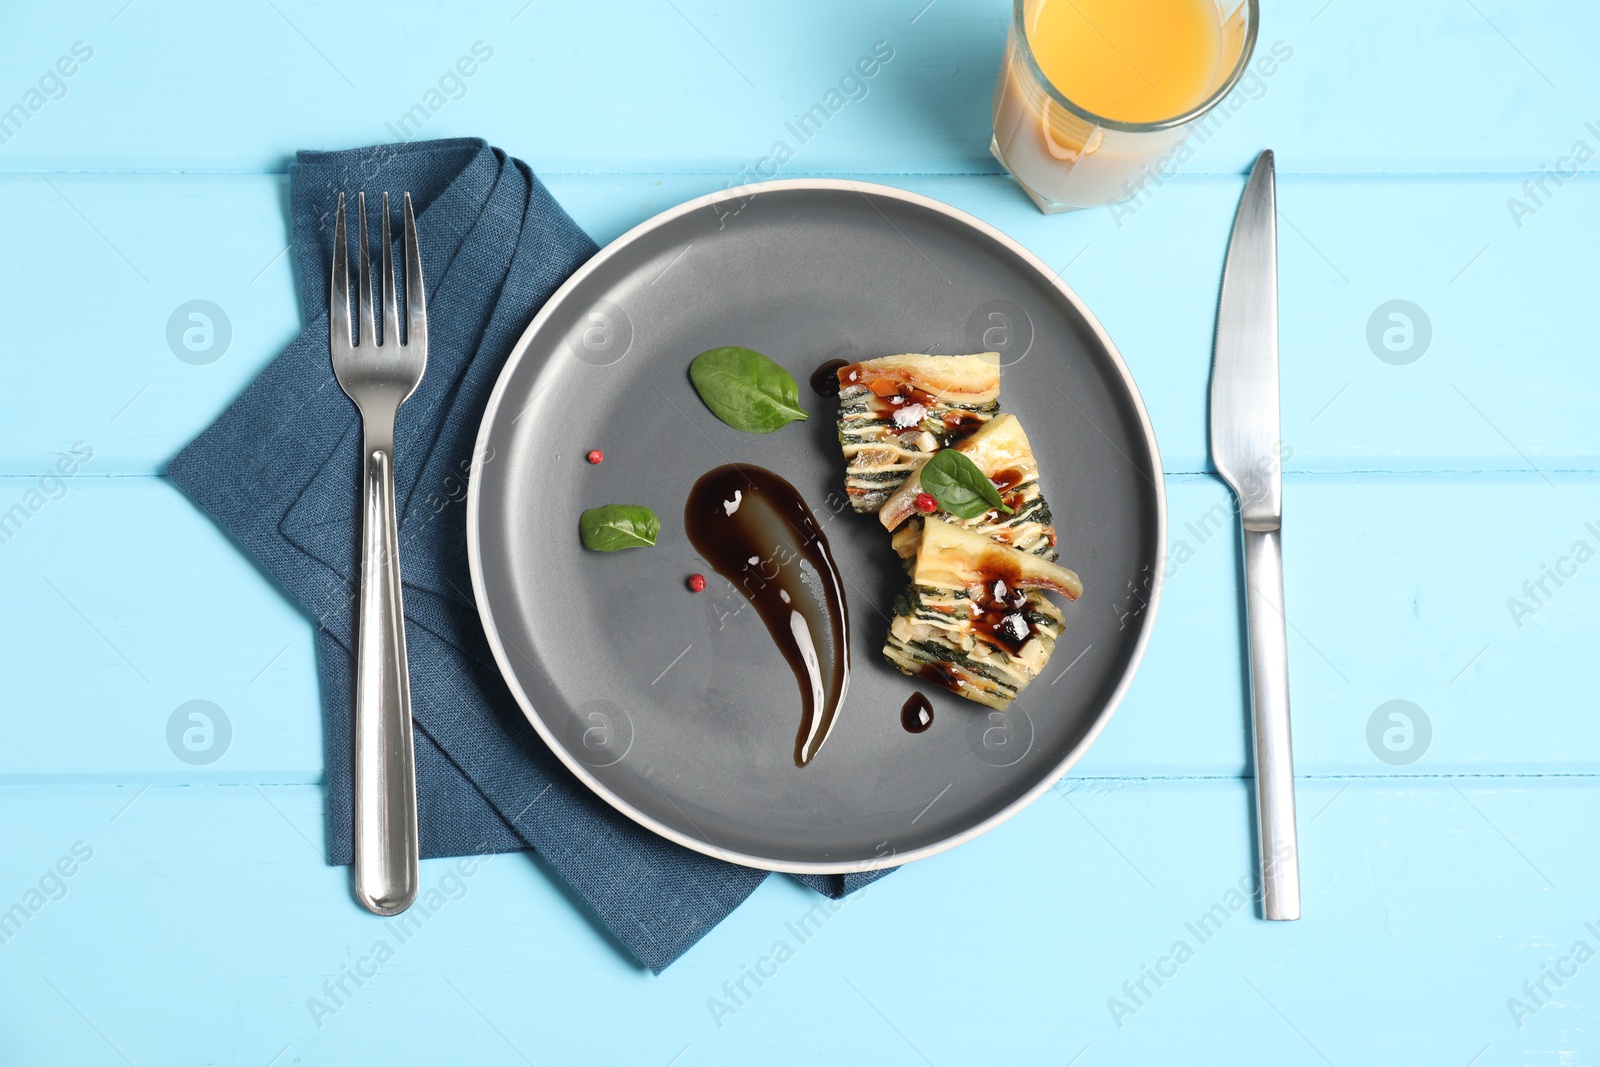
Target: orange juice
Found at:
1096, 96
1141, 61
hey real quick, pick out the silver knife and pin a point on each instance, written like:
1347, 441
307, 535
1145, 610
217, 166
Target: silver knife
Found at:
1245, 448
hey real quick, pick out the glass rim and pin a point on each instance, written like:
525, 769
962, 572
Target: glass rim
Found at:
1252, 25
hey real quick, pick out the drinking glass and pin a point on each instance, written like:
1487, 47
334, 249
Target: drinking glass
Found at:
1066, 157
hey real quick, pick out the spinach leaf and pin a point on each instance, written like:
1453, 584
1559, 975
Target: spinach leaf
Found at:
746, 390
618, 526
958, 486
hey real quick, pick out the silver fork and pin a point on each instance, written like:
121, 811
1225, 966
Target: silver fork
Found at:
378, 374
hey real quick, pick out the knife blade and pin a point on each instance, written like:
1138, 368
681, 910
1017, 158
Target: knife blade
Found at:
1245, 448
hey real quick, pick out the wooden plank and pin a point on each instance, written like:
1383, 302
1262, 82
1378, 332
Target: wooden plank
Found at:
1398, 589
709, 85
1492, 296
1050, 916
137, 605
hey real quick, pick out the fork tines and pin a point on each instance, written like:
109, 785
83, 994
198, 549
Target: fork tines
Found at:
339, 289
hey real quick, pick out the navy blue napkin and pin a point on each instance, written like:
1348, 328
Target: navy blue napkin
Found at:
280, 472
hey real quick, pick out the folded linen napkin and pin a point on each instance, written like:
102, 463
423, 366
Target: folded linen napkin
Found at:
280, 472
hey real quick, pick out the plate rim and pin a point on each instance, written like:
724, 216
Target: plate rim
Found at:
491, 631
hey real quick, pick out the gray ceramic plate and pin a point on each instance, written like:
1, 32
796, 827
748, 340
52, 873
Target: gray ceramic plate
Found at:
676, 707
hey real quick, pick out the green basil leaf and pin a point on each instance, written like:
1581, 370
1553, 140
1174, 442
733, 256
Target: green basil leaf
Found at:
618, 526
746, 390
958, 486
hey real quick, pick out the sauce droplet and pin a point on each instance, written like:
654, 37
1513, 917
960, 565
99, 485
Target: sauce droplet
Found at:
916, 715
825, 379
756, 531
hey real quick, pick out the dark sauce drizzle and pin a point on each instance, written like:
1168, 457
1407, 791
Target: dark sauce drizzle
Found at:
753, 528
916, 715
825, 379
946, 676
1003, 617
1007, 480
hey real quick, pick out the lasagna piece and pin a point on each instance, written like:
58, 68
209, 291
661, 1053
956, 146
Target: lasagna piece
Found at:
895, 411
975, 619
1001, 451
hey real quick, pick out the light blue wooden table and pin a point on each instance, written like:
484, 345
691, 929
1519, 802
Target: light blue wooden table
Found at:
1442, 519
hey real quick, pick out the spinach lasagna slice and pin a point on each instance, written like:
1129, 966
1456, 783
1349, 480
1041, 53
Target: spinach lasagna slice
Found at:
1001, 451
975, 619
895, 411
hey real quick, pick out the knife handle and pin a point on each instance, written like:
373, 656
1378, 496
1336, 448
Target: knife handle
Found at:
1269, 714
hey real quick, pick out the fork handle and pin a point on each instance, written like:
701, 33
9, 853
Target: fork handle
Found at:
1269, 716
386, 779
